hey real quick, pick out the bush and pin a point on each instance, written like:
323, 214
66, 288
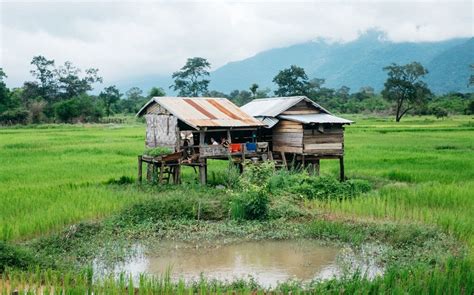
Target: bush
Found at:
314, 187
250, 205
123, 180
78, 109
259, 174
157, 151
178, 205
14, 257
14, 116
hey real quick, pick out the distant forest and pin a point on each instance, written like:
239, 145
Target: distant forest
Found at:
62, 93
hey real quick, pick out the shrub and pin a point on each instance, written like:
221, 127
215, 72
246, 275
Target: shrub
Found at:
325, 188
157, 151
123, 180
250, 205
14, 116
259, 174
14, 257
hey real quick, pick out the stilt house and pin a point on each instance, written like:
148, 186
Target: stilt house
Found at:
196, 129
300, 130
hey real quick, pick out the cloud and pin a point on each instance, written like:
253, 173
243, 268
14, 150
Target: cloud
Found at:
126, 39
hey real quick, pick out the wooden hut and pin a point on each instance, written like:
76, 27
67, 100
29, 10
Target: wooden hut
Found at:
299, 128
196, 129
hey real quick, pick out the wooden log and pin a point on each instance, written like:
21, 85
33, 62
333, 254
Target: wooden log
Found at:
140, 169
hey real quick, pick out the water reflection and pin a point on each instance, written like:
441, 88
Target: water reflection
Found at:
268, 262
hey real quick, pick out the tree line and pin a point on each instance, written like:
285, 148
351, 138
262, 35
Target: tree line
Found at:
61, 93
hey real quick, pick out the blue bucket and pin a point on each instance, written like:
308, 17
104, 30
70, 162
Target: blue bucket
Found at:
251, 147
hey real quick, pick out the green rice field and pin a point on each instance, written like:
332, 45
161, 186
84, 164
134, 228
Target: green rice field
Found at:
421, 171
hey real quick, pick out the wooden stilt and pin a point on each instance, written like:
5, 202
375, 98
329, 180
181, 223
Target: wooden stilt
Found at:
283, 158
341, 168
317, 167
140, 167
149, 172
203, 172
162, 168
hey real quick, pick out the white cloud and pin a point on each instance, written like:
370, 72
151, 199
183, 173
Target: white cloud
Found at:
129, 39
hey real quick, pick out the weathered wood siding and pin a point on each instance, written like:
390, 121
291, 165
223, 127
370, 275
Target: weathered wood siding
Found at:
161, 130
288, 137
324, 140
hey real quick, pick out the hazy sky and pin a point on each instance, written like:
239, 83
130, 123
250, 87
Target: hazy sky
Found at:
125, 39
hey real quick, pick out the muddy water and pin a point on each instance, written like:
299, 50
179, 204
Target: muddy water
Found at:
268, 262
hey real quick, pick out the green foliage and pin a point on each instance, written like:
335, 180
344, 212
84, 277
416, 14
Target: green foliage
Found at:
157, 151
292, 81
78, 109
14, 257
122, 180
405, 88
188, 81
109, 97
314, 187
14, 116
250, 205
257, 175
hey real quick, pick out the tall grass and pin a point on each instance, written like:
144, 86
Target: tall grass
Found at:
452, 277
419, 179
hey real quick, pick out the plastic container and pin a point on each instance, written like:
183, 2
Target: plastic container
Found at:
251, 147
235, 147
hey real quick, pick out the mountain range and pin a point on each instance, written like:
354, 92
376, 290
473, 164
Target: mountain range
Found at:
354, 64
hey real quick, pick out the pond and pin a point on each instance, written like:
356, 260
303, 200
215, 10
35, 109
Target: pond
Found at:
268, 261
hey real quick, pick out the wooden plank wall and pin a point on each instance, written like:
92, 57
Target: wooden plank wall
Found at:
328, 142
288, 137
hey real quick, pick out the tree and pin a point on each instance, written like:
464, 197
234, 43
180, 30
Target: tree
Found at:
405, 88
343, 92
71, 84
109, 96
4, 93
45, 74
156, 91
188, 81
292, 81
253, 88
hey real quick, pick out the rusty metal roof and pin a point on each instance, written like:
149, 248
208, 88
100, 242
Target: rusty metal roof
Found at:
200, 112
273, 106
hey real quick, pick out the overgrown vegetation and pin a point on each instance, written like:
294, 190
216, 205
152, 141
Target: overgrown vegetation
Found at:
157, 151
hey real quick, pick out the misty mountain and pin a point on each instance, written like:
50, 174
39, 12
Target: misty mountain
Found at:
354, 64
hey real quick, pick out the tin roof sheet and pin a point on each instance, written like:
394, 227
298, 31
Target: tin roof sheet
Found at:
204, 111
316, 118
268, 121
273, 106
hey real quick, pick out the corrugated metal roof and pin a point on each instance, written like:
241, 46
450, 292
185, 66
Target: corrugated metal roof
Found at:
273, 106
268, 121
204, 111
315, 118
